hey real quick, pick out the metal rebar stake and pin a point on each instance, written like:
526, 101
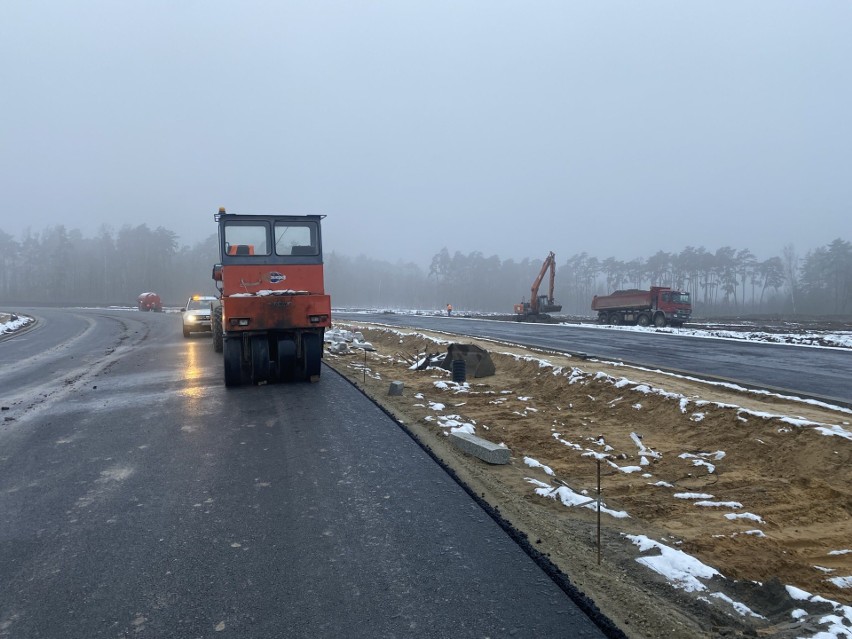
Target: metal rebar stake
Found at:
599, 511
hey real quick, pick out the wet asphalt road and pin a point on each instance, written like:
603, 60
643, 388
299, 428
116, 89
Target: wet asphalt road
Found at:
799, 370
139, 497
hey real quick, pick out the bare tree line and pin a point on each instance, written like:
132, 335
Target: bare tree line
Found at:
61, 266
727, 281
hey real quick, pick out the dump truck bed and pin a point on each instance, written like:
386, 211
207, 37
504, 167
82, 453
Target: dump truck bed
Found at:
622, 299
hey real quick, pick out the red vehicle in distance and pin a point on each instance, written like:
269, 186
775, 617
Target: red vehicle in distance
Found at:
149, 302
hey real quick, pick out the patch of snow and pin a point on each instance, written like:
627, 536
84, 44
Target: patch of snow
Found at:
627, 469
15, 324
719, 504
453, 386
455, 424
798, 594
532, 463
842, 582
644, 450
681, 570
741, 608
733, 516
557, 437
570, 498
699, 460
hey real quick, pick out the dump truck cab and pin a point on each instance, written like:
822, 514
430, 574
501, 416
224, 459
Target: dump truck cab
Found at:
273, 310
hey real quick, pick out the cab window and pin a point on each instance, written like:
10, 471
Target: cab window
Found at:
246, 239
296, 238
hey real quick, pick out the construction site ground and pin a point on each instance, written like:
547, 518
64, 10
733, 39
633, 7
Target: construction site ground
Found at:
701, 440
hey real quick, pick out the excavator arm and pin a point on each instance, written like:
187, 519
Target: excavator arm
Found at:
549, 263
539, 305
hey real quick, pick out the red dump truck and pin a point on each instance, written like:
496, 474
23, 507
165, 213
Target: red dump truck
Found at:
659, 306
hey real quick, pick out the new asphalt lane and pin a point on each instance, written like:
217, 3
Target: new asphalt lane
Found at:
821, 373
139, 497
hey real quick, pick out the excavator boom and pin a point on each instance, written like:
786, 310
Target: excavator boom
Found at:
541, 303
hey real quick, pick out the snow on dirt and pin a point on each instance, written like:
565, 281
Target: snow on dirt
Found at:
10, 322
723, 510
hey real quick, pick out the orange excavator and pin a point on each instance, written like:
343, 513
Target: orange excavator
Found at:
539, 305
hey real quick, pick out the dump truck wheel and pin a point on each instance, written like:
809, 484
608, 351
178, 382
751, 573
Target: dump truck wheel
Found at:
615, 319
659, 320
216, 323
603, 318
643, 320
233, 361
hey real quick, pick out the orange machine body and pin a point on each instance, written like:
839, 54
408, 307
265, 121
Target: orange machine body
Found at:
274, 297
273, 309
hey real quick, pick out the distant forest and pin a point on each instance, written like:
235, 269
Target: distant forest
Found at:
60, 266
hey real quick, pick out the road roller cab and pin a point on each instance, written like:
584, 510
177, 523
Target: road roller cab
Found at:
272, 310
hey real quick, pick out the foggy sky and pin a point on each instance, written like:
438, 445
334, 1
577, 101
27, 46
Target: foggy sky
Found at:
510, 128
